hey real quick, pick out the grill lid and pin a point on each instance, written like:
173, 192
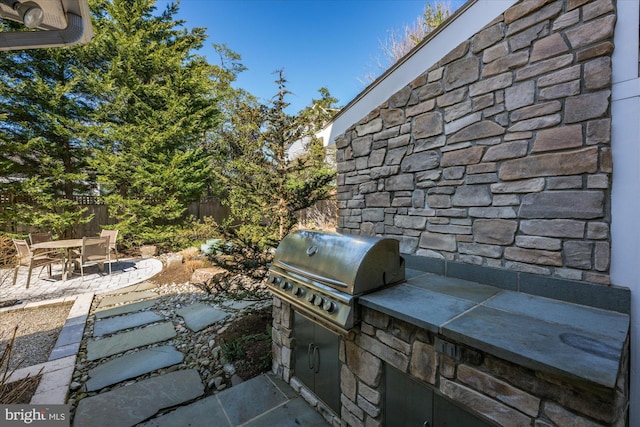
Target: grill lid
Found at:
350, 263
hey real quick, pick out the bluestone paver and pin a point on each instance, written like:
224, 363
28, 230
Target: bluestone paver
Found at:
205, 412
294, 413
238, 305
199, 316
132, 365
132, 320
97, 349
129, 405
103, 313
239, 405
125, 298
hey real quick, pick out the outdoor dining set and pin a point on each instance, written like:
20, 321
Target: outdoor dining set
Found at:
43, 251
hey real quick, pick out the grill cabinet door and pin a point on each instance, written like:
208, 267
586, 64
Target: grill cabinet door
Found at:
316, 360
407, 403
304, 350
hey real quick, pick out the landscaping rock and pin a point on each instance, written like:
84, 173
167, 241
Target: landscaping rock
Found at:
207, 275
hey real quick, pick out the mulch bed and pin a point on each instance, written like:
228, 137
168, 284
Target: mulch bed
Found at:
250, 337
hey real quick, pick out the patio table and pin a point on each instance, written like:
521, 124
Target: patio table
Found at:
67, 245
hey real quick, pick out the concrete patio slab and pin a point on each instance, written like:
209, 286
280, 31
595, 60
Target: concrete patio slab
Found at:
127, 321
199, 316
129, 405
132, 365
97, 349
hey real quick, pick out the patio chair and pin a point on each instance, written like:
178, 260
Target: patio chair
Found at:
26, 258
40, 237
113, 235
95, 250
43, 237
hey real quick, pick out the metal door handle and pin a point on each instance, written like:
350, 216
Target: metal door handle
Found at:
310, 351
316, 359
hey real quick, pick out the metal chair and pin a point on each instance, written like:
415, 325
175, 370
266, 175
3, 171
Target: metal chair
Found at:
113, 235
26, 258
95, 250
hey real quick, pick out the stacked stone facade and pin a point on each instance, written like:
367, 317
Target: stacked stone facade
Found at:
499, 154
500, 391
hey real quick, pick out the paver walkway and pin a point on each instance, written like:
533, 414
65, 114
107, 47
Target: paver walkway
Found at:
264, 400
261, 401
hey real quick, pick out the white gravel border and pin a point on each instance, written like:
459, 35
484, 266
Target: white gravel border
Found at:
57, 372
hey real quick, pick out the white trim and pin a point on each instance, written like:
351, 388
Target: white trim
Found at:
625, 188
625, 90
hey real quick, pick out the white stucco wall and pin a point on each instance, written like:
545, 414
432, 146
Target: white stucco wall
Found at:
625, 199
463, 27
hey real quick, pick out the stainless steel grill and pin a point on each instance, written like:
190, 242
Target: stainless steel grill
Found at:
322, 274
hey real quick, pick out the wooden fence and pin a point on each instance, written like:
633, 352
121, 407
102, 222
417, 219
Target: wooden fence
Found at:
207, 207
322, 215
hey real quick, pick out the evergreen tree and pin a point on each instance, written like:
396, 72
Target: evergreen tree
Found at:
43, 158
265, 185
156, 104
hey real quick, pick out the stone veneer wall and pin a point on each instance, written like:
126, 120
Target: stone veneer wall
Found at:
501, 391
499, 154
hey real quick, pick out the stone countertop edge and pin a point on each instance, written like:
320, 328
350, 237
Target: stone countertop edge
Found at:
462, 321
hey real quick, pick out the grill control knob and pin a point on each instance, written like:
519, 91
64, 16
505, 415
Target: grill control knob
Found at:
286, 285
329, 306
299, 292
311, 297
276, 280
318, 301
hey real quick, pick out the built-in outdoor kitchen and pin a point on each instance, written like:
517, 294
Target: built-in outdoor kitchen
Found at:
468, 281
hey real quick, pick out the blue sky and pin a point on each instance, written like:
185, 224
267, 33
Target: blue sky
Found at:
318, 43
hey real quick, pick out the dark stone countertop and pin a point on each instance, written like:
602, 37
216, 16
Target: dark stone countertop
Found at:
544, 334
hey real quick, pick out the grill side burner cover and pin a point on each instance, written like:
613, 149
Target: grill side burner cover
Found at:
352, 264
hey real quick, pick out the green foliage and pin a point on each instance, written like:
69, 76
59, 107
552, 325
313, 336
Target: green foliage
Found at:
233, 350
133, 112
137, 117
193, 232
42, 157
265, 187
156, 106
432, 16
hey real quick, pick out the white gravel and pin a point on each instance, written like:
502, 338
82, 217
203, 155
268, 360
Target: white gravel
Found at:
38, 330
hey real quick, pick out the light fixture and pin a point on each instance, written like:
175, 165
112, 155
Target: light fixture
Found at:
62, 23
30, 13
